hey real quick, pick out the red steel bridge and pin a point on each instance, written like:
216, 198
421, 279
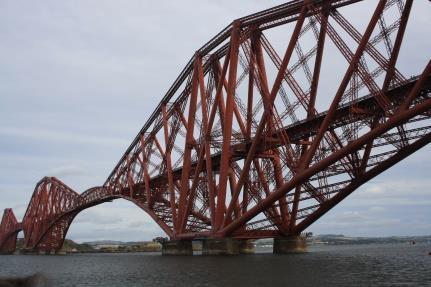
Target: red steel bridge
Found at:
249, 141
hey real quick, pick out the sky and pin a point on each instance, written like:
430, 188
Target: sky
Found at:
78, 79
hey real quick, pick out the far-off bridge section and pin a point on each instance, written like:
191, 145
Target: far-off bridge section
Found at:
251, 141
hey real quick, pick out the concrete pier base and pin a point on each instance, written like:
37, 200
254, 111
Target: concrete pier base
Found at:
289, 245
246, 246
220, 246
177, 247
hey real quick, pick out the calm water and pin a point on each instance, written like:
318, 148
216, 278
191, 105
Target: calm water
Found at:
356, 265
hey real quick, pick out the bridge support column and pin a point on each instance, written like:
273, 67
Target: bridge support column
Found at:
246, 246
177, 247
220, 246
290, 244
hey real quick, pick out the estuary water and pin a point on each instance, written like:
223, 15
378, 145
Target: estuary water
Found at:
348, 265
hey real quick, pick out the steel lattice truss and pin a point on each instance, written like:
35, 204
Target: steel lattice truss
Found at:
9, 230
244, 144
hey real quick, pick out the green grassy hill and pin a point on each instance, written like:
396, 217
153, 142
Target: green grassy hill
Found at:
68, 246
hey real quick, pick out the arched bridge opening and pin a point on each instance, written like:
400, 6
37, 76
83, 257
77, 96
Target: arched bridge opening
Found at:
53, 208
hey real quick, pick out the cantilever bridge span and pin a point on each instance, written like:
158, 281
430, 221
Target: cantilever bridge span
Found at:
247, 143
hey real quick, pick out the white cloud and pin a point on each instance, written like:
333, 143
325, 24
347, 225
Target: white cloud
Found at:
374, 189
393, 191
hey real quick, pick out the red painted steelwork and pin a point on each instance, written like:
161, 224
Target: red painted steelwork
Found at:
9, 229
237, 146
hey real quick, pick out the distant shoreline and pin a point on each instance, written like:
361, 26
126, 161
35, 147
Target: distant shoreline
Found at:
107, 246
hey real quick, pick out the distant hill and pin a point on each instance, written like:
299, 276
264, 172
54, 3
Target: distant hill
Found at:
339, 239
68, 246
342, 239
114, 242
142, 246
120, 246
104, 242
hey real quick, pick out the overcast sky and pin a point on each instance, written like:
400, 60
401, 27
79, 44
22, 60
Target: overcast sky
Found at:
78, 79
